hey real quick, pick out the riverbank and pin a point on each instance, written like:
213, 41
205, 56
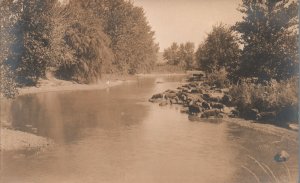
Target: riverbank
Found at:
52, 84
201, 101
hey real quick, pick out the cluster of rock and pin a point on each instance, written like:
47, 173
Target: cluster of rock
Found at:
198, 99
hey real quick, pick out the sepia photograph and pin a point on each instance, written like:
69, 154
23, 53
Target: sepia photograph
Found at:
149, 91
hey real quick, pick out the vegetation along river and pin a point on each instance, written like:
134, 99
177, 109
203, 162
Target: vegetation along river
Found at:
117, 136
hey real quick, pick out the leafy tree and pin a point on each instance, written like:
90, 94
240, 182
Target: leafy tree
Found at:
34, 29
269, 35
81, 47
7, 77
219, 50
182, 55
171, 54
132, 39
186, 55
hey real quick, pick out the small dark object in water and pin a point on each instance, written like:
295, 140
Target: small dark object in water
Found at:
282, 156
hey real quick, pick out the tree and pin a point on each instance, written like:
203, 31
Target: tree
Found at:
171, 54
34, 29
219, 50
269, 35
132, 39
186, 55
7, 77
80, 46
182, 55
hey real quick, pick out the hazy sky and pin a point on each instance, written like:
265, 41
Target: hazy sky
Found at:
187, 20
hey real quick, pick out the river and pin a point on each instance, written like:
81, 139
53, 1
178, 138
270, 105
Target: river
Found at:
117, 136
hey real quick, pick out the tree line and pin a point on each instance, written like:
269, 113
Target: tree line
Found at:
262, 45
78, 40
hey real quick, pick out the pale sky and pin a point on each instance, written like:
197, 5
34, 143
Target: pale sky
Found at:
187, 20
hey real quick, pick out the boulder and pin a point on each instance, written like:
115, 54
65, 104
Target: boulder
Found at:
205, 105
170, 95
266, 116
216, 105
157, 96
184, 110
211, 113
227, 100
194, 108
250, 114
282, 156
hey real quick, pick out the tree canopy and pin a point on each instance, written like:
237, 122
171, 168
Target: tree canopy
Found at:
269, 33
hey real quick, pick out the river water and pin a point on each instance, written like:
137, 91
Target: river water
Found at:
116, 136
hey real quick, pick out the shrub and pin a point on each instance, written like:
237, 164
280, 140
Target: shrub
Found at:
279, 97
218, 78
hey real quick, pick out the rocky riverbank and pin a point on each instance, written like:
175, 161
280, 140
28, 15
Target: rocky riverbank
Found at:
201, 100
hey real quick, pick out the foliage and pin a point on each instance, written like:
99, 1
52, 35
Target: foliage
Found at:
219, 50
81, 47
270, 96
34, 29
269, 35
7, 79
182, 55
132, 40
218, 78
171, 54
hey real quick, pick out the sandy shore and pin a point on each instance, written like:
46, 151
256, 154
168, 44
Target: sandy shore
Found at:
54, 85
12, 140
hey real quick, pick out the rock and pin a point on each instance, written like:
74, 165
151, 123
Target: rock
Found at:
234, 113
266, 116
157, 96
184, 110
227, 100
194, 84
282, 156
205, 105
173, 101
193, 109
251, 114
216, 105
210, 113
206, 96
294, 127
164, 103
170, 95
194, 90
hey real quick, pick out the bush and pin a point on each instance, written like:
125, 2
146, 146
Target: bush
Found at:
218, 78
273, 96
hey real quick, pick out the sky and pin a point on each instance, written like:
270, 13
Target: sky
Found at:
187, 20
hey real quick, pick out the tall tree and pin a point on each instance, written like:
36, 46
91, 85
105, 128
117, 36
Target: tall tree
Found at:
171, 54
80, 46
269, 35
219, 50
35, 27
132, 38
7, 76
186, 55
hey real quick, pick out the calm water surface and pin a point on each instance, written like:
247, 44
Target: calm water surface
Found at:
116, 136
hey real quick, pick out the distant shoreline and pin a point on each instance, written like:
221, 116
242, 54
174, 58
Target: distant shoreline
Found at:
56, 85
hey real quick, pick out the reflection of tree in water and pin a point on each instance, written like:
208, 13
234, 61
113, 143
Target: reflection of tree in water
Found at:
43, 114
